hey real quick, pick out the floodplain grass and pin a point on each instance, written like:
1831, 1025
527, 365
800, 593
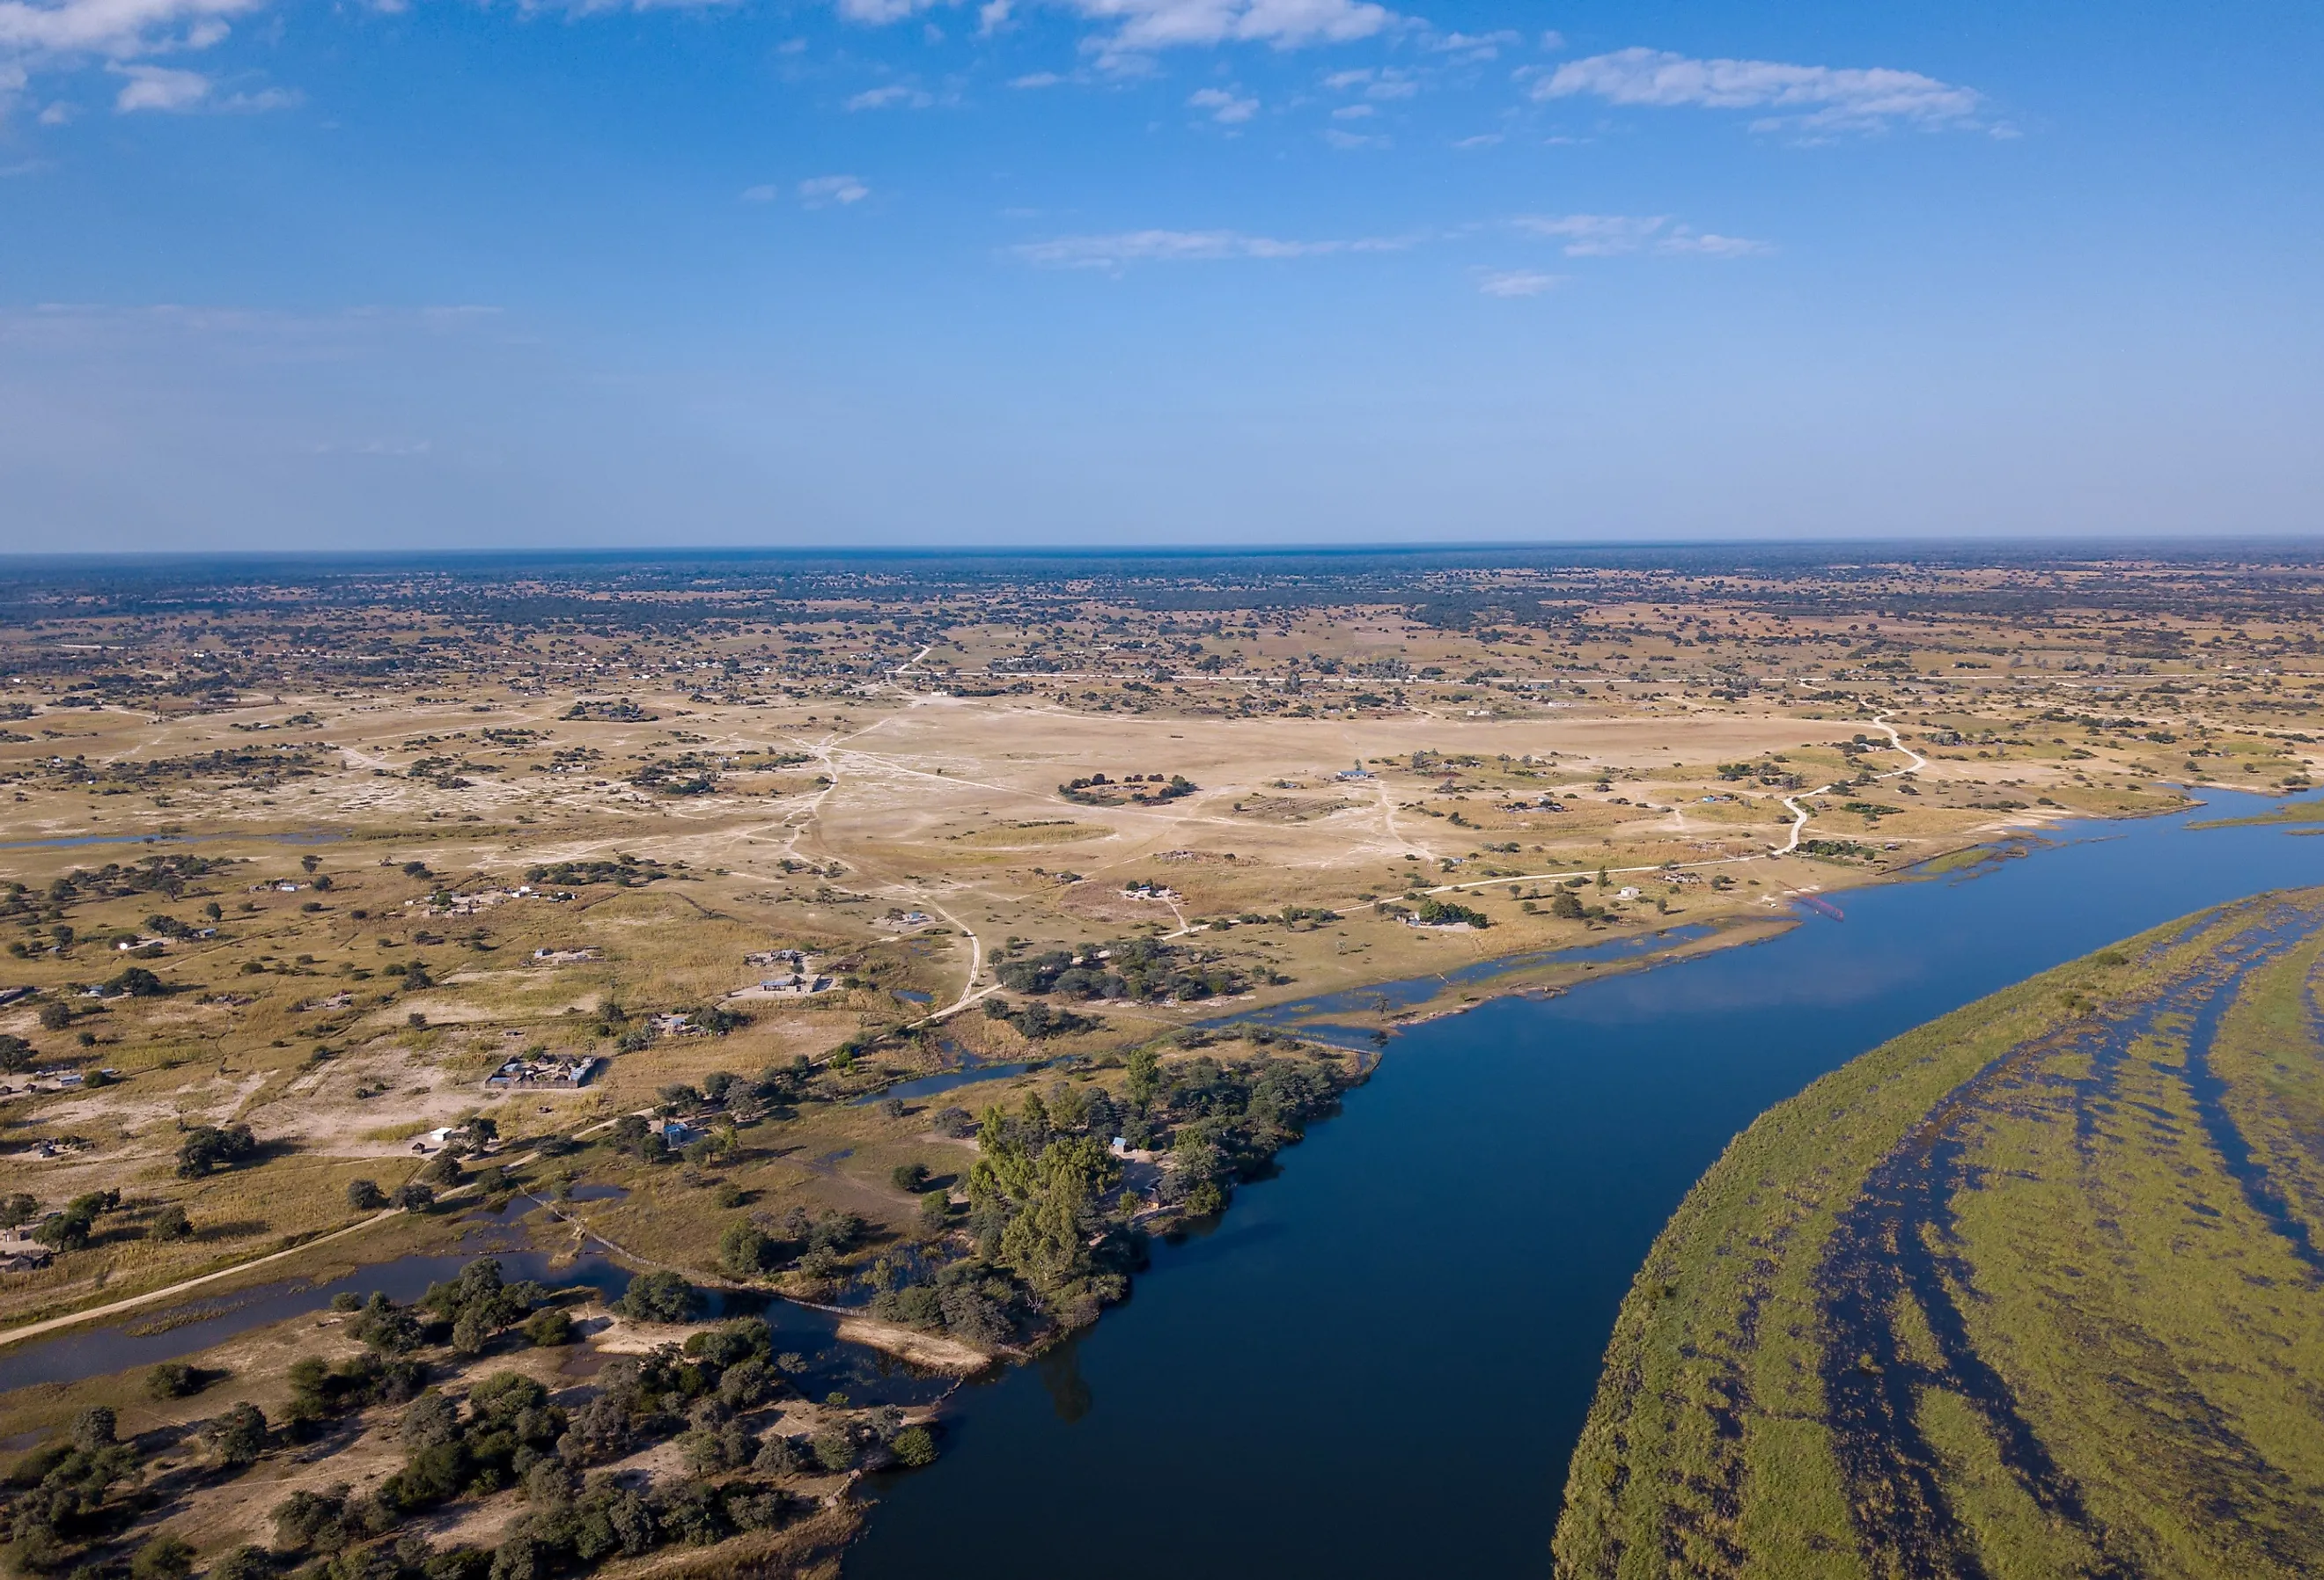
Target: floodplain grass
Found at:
2124, 1371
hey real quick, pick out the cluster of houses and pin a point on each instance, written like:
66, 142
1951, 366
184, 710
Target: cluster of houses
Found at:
57, 1147
793, 977
1146, 889
456, 904
538, 1071
50, 1081
21, 1253
546, 957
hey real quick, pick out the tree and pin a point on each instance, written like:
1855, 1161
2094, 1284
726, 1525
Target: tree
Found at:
549, 1329
18, 1210
139, 984
1145, 1077
443, 1171
910, 1177
364, 1196
1567, 905
95, 1429
935, 1211
743, 1251
659, 1297
15, 1055
915, 1446
412, 1197
171, 1224
237, 1438
211, 1147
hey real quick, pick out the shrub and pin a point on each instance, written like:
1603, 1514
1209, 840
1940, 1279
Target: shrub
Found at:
549, 1329
915, 1446
911, 1176
173, 1379
243, 1563
165, 1557
171, 1224
364, 1196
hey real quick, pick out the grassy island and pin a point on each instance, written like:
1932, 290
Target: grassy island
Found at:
2034, 1289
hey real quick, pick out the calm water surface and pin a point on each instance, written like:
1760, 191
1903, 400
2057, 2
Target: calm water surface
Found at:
1378, 1364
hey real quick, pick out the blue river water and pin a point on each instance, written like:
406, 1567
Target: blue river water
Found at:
1377, 1365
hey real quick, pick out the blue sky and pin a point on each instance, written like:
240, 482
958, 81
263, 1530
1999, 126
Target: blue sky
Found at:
443, 273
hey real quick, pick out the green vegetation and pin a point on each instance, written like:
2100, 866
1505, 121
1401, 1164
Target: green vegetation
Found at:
2032, 1290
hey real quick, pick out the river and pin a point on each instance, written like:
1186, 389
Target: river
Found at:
1379, 1363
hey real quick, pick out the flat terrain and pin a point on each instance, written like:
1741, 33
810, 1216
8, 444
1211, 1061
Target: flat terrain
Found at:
888, 932
2033, 1290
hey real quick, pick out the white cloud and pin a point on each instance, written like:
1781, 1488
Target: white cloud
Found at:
1181, 246
1481, 140
1713, 245
1226, 107
817, 191
1594, 236
160, 87
1347, 142
1474, 46
1552, 39
880, 99
1810, 96
1516, 282
1036, 79
117, 28
1353, 113
1142, 27
264, 99
1607, 235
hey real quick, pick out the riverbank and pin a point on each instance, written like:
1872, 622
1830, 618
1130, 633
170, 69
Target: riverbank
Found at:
1897, 1372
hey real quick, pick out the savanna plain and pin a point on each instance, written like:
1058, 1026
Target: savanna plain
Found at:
912, 939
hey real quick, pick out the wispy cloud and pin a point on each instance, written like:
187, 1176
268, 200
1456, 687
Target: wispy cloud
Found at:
1036, 79
815, 192
1516, 282
1607, 235
1713, 245
889, 97
160, 87
1122, 248
820, 191
1813, 97
1226, 107
1473, 46
1136, 28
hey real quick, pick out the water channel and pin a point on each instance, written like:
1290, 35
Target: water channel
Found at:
1379, 1363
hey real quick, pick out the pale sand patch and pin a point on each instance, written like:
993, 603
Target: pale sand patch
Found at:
925, 1350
